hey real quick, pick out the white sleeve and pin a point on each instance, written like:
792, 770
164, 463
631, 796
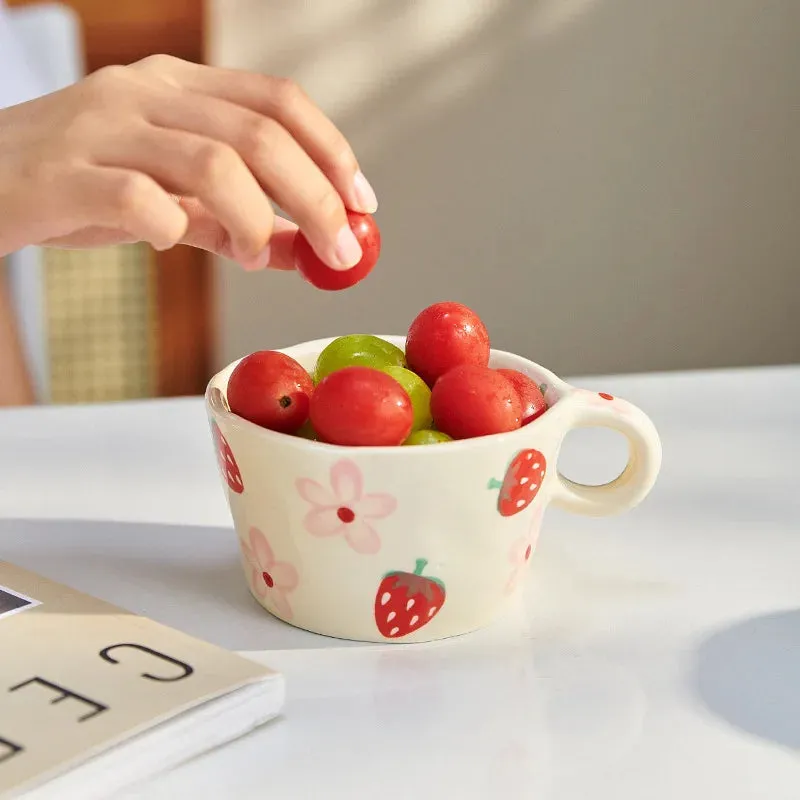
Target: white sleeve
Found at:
18, 80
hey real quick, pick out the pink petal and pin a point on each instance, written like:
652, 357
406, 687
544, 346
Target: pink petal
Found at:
536, 525
623, 406
312, 492
284, 575
257, 582
247, 553
346, 482
375, 506
261, 549
516, 554
323, 522
281, 605
362, 537
513, 580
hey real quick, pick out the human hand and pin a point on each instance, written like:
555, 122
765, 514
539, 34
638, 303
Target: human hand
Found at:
165, 151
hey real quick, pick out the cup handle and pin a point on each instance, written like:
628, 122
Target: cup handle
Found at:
590, 409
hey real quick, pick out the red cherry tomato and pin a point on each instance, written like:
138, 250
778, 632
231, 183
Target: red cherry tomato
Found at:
361, 406
444, 336
272, 390
530, 395
475, 401
319, 274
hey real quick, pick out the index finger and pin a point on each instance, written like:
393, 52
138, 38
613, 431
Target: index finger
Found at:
284, 101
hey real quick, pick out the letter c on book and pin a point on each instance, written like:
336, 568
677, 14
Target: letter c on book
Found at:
186, 670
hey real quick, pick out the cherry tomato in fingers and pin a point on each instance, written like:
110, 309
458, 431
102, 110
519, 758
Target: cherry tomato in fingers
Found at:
319, 274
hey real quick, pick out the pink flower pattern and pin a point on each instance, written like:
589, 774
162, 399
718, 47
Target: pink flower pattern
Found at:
522, 549
271, 580
344, 509
605, 400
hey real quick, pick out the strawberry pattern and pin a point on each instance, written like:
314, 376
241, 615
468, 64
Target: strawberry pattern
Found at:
405, 601
227, 463
522, 482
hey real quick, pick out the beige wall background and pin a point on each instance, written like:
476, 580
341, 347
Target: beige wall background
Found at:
614, 185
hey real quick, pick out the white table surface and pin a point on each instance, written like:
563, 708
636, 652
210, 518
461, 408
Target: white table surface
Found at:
652, 656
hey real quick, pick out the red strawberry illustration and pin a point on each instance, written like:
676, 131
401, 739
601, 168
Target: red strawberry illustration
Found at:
406, 601
522, 482
227, 463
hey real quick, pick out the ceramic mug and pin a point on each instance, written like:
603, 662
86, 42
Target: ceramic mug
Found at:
410, 544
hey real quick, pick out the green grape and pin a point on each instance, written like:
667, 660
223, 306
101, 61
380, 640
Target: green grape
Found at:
419, 393
358, 348
427, 437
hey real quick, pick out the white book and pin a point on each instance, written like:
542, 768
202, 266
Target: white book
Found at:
94, 699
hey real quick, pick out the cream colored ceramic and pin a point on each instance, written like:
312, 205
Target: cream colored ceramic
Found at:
410, 544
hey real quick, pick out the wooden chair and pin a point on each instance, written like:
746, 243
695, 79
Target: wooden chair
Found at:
16, 385
151, 312
49, 36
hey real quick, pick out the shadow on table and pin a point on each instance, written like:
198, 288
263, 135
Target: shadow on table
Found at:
749, 675
183, 576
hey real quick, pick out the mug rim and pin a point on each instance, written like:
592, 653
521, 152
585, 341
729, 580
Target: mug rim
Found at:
220, 409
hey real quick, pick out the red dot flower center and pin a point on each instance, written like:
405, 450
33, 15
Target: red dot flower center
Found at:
527, 552
606, 396
345, 514
268, 579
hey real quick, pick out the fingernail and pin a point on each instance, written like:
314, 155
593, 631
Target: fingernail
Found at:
365, 194
261, 261
348, 251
